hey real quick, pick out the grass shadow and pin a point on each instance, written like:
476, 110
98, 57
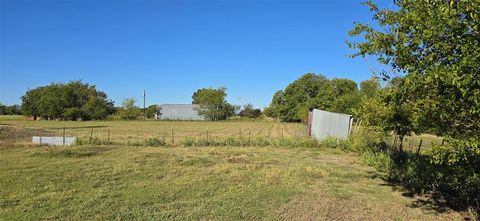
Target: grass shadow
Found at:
52, 152
431, 185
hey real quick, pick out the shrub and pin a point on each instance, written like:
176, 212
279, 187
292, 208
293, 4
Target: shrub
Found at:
366, 140
336, 143
457, 167
155, 142
451, 171
255, 142
188, 142
93, 140
378, 160
134, 143
262, 141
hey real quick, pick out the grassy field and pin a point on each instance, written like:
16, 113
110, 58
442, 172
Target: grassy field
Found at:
190, 183
124, 131
227, 183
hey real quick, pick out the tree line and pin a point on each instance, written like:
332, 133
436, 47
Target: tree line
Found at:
80, 101
10, 109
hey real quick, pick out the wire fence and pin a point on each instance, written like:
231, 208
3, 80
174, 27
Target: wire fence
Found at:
127, 136
138, 136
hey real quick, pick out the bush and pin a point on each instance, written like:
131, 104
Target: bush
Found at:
134, 143
155, 142
457, 167
366, 140
93, 140
378, 160
451, 172
188, 142
254, 142
337, 143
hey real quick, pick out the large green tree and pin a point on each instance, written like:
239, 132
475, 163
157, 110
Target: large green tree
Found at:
248, 111
313, 91
72, 101
129, 111
372, 110
274, 109
152, 110
435, 45
212, 103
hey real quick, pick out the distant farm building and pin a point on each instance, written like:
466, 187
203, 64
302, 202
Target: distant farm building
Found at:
323, 124
178, 112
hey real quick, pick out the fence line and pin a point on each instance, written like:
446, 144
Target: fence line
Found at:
108, 135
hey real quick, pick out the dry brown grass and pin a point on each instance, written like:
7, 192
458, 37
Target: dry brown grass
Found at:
350, 191
124, 131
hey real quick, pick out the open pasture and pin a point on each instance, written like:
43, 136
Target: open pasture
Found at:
134, 131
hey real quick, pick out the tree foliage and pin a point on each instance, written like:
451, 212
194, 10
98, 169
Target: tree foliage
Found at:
313, 91
275, 107
435, 44
129, 111
435, 47
72, 101
151, 111
248, 111
372, 109
10, 110
212, 103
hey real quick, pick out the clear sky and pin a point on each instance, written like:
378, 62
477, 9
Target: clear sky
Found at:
172, 48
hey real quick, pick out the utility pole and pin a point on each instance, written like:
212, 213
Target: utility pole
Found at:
144, 110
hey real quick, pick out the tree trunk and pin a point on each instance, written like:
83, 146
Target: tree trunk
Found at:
400, 148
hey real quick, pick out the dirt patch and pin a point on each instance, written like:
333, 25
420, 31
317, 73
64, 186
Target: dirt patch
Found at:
19, 135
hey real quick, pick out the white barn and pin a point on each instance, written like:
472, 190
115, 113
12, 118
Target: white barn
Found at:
178, 112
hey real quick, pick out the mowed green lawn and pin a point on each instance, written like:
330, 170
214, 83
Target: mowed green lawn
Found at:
201, 183
119, 182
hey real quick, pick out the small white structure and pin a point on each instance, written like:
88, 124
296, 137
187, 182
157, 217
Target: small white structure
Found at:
54, 140
323, 124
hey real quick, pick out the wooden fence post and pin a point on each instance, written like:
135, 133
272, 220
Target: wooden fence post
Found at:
108, 135
15, 135
91, 135
207, 135
173, 140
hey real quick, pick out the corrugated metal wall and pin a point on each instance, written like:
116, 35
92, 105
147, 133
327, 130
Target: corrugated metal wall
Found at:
179, 112
325, 124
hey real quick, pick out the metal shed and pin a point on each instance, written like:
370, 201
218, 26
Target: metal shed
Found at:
178, 112
323, 124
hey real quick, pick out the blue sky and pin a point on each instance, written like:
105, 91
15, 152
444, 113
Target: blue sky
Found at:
172, 48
